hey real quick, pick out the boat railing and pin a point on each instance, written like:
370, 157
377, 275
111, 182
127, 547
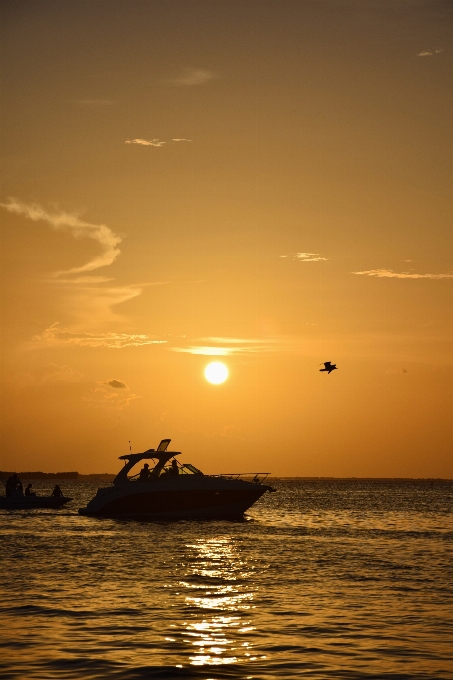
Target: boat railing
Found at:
256, 477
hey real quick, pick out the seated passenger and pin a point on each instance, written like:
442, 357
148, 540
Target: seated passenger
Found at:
57, 492
144, 473
28, 491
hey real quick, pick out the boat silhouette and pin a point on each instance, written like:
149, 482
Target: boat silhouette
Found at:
175, 491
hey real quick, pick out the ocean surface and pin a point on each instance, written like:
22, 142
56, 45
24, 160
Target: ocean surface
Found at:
324, 579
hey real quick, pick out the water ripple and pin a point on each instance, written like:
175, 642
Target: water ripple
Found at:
325, 580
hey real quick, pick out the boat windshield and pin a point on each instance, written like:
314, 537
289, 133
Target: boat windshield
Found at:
183, 469
188, 469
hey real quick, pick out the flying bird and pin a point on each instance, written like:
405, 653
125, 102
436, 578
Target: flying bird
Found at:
329, 367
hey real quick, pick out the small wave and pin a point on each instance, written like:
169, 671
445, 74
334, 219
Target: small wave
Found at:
37, 610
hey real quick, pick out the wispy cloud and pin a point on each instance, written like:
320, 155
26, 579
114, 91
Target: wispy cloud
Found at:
316, 345
55, 336
63, 221
146, 142
86, 295
89, 298
193, 76
86, 279
305, 257
222, 347
388, 273
106, 398
429, 53
92, 305
207, 350
155, 142
116, 384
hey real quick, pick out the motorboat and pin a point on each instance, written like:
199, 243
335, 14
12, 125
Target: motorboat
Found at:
21, 502
173, 490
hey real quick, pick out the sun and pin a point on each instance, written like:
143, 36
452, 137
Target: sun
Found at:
216, 372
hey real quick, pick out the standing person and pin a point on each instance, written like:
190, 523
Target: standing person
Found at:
10, 485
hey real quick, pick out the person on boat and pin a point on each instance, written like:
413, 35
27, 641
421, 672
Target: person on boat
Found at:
28, 491
57, 492
174, 468
10, 486
144, 473
16, 486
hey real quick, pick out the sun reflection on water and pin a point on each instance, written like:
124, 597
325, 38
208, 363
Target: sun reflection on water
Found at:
217, 581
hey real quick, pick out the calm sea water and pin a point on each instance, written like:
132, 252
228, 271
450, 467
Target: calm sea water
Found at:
326, 579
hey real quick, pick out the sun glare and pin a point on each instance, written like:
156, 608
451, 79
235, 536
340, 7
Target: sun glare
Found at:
216, 372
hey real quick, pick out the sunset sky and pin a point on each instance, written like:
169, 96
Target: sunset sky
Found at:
262, 183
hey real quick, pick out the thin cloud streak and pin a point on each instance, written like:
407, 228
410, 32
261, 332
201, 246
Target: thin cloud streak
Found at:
193, 76
237, 341
223, 347
388, 273
155, 142
63, 221
429, 53
428, 348
206, 351
146, 142
55, 336
306, 257
85, 280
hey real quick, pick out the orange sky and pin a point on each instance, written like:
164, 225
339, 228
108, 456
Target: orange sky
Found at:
266, 183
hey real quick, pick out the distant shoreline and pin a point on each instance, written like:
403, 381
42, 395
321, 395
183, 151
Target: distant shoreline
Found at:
107, 476
75, 476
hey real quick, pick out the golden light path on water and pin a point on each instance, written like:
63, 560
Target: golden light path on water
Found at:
215, 638
326, 579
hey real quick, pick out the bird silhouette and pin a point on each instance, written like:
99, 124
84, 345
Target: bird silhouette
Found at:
329, 367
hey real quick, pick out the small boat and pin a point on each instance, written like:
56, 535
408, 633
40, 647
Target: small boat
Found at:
21, 502
15, 498
175, 491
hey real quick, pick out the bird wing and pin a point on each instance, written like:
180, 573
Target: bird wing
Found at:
327, 365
